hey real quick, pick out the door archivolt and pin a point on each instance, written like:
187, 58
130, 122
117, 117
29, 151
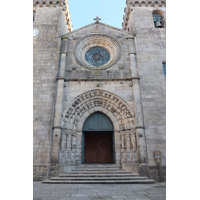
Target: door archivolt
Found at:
98, 100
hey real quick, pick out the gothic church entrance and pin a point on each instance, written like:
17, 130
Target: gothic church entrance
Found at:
98, 139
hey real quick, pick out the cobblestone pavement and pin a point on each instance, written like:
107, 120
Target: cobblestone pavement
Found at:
155, 191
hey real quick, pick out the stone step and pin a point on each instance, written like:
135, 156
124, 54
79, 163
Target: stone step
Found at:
98, 172
147, 181
97, 175
97, 169
97, 166
99, 178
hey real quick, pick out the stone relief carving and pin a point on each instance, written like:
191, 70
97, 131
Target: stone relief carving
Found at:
74, 124
73, 141
68, 140
127, 138
103, 100
133, 141
121, 125
97, 98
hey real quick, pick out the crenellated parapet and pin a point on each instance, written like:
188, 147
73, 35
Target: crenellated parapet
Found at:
140, 3
53, 4
146, 3
50, 3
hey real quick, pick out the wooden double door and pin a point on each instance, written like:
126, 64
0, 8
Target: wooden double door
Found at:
98, 147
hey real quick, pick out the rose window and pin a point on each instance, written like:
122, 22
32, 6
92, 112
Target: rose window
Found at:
97, 56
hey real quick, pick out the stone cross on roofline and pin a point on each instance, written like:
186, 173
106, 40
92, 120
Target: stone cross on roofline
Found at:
97, 20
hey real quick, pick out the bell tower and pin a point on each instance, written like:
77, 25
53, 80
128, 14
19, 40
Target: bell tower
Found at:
147, 21
51, 20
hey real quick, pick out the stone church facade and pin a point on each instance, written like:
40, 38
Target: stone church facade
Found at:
99, 91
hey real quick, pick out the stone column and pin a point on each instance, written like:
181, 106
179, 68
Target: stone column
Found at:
139, 122
58, 108
64, 141
133, 146
69, 141
68, 151
128, 146
123, 157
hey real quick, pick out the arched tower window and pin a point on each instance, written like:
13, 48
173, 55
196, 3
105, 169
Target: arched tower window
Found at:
158, 19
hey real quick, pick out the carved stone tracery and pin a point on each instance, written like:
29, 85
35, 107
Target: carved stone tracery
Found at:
101, 41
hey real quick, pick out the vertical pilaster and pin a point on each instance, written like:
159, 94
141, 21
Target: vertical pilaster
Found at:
58, 108
139, 122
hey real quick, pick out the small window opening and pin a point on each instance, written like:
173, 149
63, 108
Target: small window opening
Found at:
33, 16
164, 68
158, 19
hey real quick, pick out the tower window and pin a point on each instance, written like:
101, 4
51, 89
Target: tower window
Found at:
33, 16
158, 19
164, 68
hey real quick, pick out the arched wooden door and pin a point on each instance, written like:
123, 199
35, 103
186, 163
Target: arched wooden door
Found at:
98, 139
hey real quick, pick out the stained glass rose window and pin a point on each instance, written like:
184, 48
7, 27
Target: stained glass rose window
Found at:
97, 56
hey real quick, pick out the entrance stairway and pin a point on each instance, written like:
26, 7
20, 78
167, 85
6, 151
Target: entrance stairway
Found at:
99, 174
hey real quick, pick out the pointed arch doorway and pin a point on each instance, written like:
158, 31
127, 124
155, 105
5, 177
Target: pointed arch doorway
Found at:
98, 139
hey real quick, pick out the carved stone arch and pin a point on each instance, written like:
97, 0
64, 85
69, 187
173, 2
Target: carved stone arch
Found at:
98, 100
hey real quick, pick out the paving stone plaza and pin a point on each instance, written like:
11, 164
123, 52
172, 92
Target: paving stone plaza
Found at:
156, 191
